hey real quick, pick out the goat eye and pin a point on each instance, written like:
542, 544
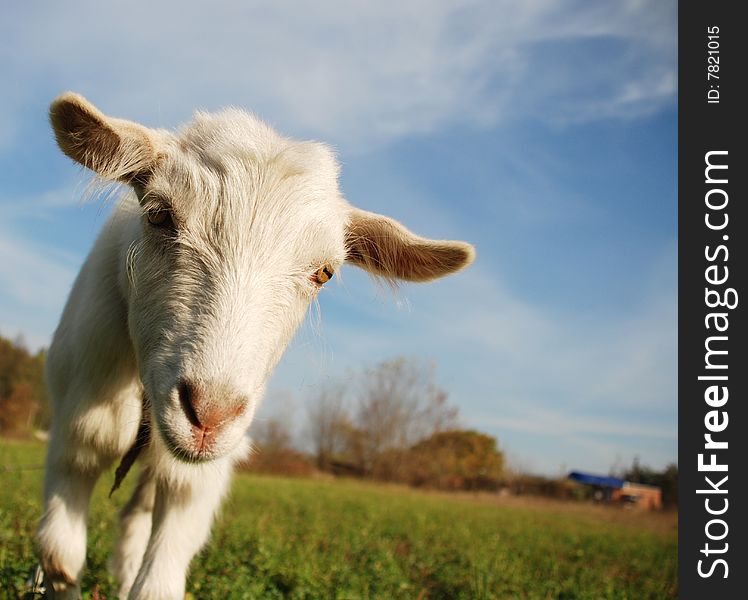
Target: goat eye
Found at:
159, 218
323, 274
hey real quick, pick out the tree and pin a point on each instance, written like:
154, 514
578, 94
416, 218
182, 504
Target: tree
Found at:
329, 425
23, 394
457, 459
274, 451
399, 404
272, 435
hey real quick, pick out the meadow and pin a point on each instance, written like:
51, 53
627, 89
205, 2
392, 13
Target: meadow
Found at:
319, 538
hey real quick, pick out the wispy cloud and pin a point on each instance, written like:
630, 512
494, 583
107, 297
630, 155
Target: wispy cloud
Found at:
357, 73
34, 280
41, 206
32, 274
35, 275
558, 423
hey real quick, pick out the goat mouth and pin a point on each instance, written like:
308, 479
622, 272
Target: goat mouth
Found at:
189, 456
186, 455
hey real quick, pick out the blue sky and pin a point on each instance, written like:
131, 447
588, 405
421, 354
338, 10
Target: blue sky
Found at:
543, 132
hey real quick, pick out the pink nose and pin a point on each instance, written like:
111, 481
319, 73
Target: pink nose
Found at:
208, 408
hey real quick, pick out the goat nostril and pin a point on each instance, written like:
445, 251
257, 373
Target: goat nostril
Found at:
186, 393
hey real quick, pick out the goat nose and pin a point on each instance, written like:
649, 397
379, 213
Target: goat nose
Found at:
189, 396
208, 407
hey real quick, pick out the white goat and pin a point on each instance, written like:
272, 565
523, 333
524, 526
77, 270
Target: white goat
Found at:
179, 315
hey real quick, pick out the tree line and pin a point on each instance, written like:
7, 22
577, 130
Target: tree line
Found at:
24, 406
389, 422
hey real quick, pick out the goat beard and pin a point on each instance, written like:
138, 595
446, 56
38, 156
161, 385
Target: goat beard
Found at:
142, 439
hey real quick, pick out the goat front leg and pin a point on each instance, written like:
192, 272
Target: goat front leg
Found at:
62, 530
135, 522
182, 519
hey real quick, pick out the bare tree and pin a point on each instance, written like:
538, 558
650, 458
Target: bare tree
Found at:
272, 435
329, 424
399, 404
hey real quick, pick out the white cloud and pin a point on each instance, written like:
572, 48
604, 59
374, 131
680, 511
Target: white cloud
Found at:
558, 423
34, 280
29, 276
36, 276
355, 73
42, 205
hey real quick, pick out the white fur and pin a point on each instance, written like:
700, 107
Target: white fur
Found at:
257, 214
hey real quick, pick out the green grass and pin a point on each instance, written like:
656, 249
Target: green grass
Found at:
284, 538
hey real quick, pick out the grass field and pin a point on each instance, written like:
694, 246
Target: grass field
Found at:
284, 538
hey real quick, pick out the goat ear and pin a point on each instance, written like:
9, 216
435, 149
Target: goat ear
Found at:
114, 148
383, 247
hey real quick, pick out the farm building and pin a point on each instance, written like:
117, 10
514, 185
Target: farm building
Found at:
615, 490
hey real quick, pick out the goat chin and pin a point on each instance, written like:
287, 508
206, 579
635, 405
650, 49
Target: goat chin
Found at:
198, 281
